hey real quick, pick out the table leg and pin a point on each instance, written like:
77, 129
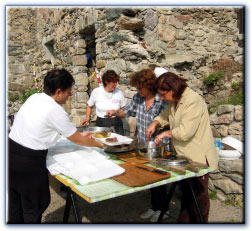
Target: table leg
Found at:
75, 207
195, 201
71, 200
67, 206
167, 202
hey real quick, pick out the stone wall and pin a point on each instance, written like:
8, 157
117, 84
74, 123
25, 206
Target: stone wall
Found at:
228, 121
190, 41
187, 41
21, 32
228, 180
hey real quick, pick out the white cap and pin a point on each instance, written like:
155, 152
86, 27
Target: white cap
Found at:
159, 71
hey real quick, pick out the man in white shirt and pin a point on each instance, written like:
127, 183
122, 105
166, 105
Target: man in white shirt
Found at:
39, 123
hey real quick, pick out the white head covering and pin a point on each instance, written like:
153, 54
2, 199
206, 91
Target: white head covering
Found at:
159, 71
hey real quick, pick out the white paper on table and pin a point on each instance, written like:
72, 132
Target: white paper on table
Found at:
109, 169
121, 140
83, 165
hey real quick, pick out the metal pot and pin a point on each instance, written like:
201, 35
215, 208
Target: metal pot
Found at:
94, 129
150, 150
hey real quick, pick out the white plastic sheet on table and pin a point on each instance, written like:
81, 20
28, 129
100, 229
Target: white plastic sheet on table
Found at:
85, 165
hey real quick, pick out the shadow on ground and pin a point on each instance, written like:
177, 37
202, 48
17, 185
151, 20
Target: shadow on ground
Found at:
121, 210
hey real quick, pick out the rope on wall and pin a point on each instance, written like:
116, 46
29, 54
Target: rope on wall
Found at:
34, 74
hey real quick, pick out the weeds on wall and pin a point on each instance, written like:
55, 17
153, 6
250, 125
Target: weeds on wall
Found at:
28, 93
213, 78
13, 98
212, 194
229, 66
224, 70
236, 98
232, 200
235, 85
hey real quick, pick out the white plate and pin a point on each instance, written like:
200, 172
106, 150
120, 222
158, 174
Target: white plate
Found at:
121, 140
231, 143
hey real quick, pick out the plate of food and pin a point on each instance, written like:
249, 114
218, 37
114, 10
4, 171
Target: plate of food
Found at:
102, 134
111, 139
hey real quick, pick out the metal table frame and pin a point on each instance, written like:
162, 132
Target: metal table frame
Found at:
71, 201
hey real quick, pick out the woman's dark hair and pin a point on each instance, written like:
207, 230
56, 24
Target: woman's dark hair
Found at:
171, 82
110, 76
57, 79
143, 79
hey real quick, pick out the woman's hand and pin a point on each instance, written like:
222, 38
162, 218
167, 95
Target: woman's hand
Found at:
162, 135
150, 130
85, 122
102, 145
110, 113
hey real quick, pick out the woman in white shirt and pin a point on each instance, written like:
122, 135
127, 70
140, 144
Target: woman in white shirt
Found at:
39, 123
105, 98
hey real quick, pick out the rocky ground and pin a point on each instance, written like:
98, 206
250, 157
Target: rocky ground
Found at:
127, 209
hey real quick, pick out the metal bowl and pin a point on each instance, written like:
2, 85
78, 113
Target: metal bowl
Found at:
150, 150
94, 129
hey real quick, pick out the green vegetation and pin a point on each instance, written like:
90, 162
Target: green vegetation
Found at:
232, 200
212, 195
27, 94
212, 79
229, 66
12, 98
237, 98
224, 69
234, 99
235, 85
